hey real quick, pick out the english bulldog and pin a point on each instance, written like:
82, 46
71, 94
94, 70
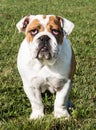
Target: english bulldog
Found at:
46, 61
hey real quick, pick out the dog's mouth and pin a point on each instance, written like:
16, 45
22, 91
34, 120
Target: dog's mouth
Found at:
44, 52
44, 48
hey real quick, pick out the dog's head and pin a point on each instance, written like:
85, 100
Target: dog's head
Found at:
45, 34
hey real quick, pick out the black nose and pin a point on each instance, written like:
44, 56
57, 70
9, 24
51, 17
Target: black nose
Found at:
44, 38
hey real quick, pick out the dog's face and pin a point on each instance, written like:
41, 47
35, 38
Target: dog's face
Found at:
44, 34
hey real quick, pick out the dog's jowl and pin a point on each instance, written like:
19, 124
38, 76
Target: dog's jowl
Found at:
46, 61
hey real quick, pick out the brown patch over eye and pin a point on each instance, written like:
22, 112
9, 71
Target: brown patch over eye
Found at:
34, 28
54, 26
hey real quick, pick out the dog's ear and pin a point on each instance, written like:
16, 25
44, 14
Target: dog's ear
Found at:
67, 26
23, 23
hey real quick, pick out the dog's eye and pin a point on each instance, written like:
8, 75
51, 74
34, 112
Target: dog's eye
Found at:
34, 32
55, 32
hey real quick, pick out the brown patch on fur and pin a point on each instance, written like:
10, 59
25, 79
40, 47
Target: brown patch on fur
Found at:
55, 24
35, 24
73, 66
44, 16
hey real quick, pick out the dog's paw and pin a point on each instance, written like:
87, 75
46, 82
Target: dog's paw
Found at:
36, 115
62, 113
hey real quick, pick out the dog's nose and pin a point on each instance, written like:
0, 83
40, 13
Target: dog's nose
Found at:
44, 38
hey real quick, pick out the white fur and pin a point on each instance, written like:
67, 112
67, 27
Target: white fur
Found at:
37, 76
60, 109
68, 26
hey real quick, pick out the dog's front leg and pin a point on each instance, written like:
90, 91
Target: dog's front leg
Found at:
35, 98
60, 105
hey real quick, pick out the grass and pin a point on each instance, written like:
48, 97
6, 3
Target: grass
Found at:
14, 105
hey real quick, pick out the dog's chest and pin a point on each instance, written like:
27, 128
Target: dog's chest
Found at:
48, 79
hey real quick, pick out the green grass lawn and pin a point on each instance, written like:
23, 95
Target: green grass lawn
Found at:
14, 105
